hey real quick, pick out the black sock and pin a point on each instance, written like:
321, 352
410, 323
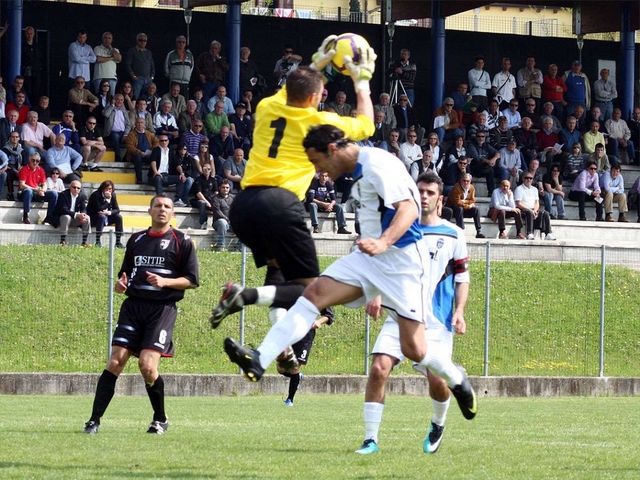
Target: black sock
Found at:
84, 237
249, 296
98, 237
63, 238
294, 382
104, 393
287, 294
156, 396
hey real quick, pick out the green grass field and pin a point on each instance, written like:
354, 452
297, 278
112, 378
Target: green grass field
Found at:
258, 438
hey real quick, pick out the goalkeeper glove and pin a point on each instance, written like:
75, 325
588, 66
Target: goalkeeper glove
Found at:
362, 71
323, 57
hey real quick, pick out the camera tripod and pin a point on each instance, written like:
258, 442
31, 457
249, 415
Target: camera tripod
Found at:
393, 91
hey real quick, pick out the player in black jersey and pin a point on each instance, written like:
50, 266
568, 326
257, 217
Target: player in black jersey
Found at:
160, 263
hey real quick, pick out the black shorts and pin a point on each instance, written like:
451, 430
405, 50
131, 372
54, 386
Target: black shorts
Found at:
146, 325
271, 222
302, 349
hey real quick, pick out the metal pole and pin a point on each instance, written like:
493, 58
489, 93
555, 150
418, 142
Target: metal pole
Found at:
243, 279
367, 347
487, 292
602, 287
112, 247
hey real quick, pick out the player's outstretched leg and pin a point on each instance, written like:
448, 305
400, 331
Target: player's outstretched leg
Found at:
434, 439
466, 396
248, 360
230, 302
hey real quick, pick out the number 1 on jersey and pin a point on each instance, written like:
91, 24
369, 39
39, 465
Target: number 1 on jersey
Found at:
278, 125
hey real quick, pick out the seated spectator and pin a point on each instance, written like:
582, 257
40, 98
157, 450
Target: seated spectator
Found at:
446, 123
406, 118
410, 150
54, 182
116, 124
573, 163
9, 124
613, 188
479, 126
81, 101
452, 173
19, 106
42, 109
340, 105
462, 199
512, 115
393, 144
594, 116
142, 112
221, 146
68, 127
188, 116
492, 114
634, 194
71, 212
187, 162
205, 187
534, 170
93, 147
620, 135
530, 112
321, 197
241, 128
634, 127
152, 98
221, 206
552, 182
460, 97
65, 159
126, 90
527, 200
455, 151
205, 158
140, 142
582, 123
177, 101
568, 135
13, 150
600, 159
233, 169
433, 145
484, 161
501, 135
503, 206
221, 96
105, 98
17, 87
384, 106
33, 135
511, 161
201, 106
165, 170
587, 187
592, 138
323, 100
527, 142
548, 112
422, 165
33, 187
165, 123
548, 143
215, 120
381, 134
4, 166
248, 99
103, 210
194, 137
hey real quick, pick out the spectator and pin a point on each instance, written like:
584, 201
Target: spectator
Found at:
4, 166
19, 106
178, 102
479, 126
32, 63
453, 172
241, 128
107, 59
105, 98
462, 199
165, 170
613, 187
578, 89
568, 135
406, 72
530, 82
446, 123
210, 69
553, 90
188, 116
479, 82
250, 78
93, 147
194, 137
139, 66
33, 185
384, 106
492, 114
116, 124
13, 150
103, 210
81, 101
484, 161
592, 138
178, 66
527, 200
433, 145
504, 85
71, 212
205, 158
142, 112
605, 93
15, 89
548, 112
600, 158
65, 159
406, 118
247, 99
205, 187
455, 151
215, 120
410, 150
140, 142
620, 135
54, 182
393, 144
552, 182
340, 105
33, 134
527, 142
233, 169
80, 56
285, 65
503, 206
460, 97
548, 141
587, 187
593, 116
502, 134
221, 206
382, 130
152, 98
126, 90
531, 112
201, 106
512, 115
573, 163
422, 165
68, 127
165, 123
321, 197
510, 161
187, 162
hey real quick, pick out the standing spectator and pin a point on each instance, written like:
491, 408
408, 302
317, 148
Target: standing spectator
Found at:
80, 56
105, 98
103, 210
530, 82
81, 101
33, 185
140, 142
178, 66
148, 315
479, 82
211, 69
578, 88
605, 93
484, 161
552, 182
249, 74
389, 113
205, 187
504, 85
13, 150
139, 65
285, 65
446, 122
321, 196
613, 186
406, 72
116, 124
33, 135
620, 135
462, 199
93, 147
107, 59
527, 199
585, 187
553, 90
503, 206
32, 63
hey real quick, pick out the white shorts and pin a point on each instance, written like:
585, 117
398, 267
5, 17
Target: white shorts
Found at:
388, 341
397, 275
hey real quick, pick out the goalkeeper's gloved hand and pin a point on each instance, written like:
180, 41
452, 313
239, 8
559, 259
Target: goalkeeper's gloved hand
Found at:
321, 59
362, 71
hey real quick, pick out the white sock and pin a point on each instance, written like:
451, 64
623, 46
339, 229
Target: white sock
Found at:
372, 419
441, 365
440, 411
266, 295
276, 314
293, 327
94, 164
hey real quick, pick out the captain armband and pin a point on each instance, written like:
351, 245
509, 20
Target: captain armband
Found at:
461, 265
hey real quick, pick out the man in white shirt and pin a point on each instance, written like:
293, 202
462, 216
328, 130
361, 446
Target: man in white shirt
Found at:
613, 186
620, 135
411, 151
527, 200
605, 92
504, 85
166, 123
107, 59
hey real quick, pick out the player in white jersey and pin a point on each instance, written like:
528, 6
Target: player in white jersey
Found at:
388, 261
448, 279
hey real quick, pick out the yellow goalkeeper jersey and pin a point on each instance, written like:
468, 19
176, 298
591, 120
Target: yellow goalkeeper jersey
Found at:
277, 158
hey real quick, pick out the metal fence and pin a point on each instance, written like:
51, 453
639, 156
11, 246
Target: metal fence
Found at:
533, 310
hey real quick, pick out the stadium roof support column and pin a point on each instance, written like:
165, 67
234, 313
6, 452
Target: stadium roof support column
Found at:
234, 21
437, 54
627, 61
14, 40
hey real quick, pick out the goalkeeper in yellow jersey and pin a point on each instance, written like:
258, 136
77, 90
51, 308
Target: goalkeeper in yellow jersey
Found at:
268, 215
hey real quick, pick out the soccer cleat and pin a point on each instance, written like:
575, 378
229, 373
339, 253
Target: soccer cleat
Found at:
158, 427
368, 447
248, 360
287, 360
288, 403
91, 427
230, 302
465, 396
434, 439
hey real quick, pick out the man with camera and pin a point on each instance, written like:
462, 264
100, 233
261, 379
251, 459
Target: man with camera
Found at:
287, 64
405, 72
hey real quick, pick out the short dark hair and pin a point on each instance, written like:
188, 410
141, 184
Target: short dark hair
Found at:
590, 163
599, 145
159, 195
431, 177
224, 181
301, 83
319, 138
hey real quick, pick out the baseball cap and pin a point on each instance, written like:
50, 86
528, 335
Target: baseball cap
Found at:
576, 62
241, 105
512, 140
